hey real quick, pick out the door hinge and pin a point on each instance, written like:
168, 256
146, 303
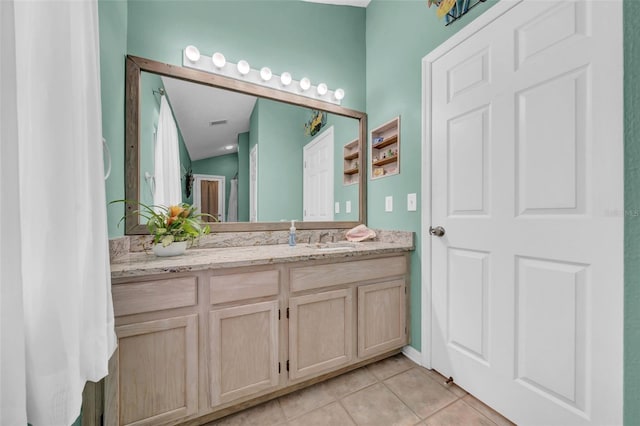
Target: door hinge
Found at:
287, 312
279, 368
287, 365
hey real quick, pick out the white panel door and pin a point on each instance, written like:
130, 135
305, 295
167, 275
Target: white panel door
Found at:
318, 178
526, 155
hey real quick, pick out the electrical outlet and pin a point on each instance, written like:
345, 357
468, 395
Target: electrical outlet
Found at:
412, 204
388, 203
347, 207
337, 208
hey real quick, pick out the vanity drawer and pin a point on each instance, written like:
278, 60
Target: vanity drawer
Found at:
310, 277
150, 296
247, 285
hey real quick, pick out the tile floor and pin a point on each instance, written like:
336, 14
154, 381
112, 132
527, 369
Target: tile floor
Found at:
394, 391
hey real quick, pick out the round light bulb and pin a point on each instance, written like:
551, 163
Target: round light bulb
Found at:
192, 53
305, 83
285, 79
218, 60
322, 89
339, 94
265, 74
243, 67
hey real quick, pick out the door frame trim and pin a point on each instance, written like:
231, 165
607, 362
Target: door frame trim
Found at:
473, 27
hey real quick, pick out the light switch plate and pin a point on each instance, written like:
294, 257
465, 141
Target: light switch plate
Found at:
388, 203
347, 207
412, 204
337, 209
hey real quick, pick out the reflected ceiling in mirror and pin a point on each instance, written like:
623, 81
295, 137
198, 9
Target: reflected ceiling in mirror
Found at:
224, 125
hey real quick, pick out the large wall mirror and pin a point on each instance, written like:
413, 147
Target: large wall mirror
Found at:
245, 154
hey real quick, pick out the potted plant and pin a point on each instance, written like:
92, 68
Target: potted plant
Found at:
172, 227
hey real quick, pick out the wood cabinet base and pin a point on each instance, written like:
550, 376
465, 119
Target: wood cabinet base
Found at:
195, 347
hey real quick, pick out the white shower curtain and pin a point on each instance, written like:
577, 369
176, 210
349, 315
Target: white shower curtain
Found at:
232, 214
167, 159
56, 316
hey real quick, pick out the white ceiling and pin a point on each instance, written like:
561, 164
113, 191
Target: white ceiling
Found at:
357, 3
195, 106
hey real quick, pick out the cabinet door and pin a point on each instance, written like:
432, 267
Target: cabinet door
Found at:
155, 371
320, 332
243, 350
381, 317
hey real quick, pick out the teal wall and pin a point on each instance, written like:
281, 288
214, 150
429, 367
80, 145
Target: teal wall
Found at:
632, 207
222, 165
112, 15
280, 133
394, 88
243, 177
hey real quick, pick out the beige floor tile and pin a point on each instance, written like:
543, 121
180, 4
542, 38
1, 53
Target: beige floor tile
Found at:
377, 405
456, 414
390, 366
306, 400
421, 393
453, 388
267, 414
487, 411
332, 414
350, 382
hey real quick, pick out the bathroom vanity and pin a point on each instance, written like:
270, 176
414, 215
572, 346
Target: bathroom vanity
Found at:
218, 330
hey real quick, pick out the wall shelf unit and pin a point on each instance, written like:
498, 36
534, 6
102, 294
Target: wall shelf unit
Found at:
385, 149
351, 168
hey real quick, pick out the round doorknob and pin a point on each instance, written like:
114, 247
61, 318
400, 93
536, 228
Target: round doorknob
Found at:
438, 231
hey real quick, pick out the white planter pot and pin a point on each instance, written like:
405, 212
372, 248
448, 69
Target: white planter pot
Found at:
173, 249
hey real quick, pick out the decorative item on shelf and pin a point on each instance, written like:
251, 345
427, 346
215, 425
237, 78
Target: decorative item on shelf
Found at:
452, 10
378, 171
188, 183
377, 140
317, 121
170, 226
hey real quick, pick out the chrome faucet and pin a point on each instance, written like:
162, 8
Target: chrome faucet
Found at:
322, 235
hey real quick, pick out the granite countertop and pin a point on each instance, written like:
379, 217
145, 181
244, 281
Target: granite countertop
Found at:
136, 264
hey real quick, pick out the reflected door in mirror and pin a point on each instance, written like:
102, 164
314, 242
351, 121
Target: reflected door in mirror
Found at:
210, 190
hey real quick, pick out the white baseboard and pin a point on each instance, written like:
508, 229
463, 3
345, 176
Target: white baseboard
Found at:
413, 354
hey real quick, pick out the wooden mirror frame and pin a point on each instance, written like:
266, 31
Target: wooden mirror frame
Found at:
135, 65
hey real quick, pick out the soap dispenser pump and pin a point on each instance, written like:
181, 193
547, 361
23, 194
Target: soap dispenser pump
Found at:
292, 234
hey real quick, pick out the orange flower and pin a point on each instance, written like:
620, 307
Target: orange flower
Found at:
174, 211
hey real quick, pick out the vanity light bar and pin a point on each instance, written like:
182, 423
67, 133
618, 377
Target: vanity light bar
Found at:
216, 64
